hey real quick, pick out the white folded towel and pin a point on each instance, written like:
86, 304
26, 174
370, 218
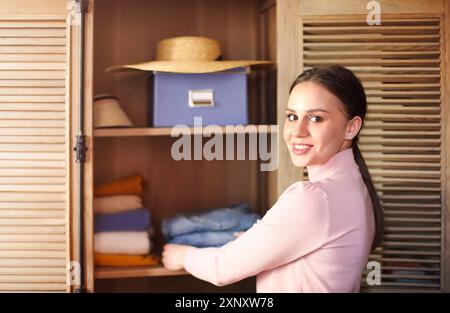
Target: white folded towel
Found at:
134, 243
116, 204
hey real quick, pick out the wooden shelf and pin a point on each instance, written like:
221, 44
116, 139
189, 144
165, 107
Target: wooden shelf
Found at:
135, 271
166, 131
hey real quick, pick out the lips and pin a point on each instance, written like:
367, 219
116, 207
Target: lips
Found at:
300, 149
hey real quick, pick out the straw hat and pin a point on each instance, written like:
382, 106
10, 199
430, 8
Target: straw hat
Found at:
189, 55
109, 113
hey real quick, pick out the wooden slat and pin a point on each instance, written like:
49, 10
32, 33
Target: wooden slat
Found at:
33, 139
412, 220
50, 188
32, 147
33, 279
41, 287
22, 83
33, 49
397, 46
31, 123
32, 115
397, 165
30, 57
398, 141
31, 222
32, 172
32, 230
398, 133
31, 24
31, 91
420, 94
14, 262
32, 41
31, 155
410, 244
32, 98
61, 238
348, 20
318, 54
50, 206
41, 75
411, 86
53, 32
372, 37
10, 213
412, 236
31, 132
367, 29
396, 78
428, 269
33, 254
31, 164
32, 270
32, 66
388, 212
32, 196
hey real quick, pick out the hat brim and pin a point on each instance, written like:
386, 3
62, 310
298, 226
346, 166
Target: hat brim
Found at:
189, 66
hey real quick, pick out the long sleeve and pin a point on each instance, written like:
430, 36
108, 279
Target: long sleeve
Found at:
295, 226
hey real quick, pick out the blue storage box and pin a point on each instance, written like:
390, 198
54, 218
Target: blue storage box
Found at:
219, 98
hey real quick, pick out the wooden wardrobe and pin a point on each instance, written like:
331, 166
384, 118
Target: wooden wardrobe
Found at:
403, 64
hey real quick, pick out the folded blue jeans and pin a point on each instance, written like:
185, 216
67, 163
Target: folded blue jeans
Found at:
235, 218
205, 239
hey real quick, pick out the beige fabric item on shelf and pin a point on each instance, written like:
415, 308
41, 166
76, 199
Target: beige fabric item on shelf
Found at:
127, 242
189, 54
109, 113
117, 204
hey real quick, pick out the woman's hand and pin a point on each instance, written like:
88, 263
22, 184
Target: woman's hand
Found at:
173, 256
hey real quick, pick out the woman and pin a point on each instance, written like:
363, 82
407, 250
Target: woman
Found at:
318, 236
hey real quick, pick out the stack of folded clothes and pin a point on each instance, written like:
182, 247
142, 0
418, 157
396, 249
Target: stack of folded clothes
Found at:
122, 225
212, 228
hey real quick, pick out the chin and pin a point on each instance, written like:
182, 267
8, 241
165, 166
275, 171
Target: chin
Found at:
299, 162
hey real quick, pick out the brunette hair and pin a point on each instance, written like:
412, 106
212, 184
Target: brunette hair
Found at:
342, 83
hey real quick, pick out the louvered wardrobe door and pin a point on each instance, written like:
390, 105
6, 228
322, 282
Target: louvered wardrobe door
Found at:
34, 233
399, 66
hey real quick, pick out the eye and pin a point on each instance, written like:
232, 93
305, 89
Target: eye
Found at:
291, 117
315, 118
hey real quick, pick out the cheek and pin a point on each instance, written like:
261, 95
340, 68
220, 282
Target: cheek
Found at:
286, 131
331, 132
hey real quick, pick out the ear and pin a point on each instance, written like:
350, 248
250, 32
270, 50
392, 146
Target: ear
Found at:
353, 127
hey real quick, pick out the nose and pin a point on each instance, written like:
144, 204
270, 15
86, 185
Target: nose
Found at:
300, 128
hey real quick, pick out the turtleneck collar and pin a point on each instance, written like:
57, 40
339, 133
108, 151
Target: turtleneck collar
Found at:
341, 161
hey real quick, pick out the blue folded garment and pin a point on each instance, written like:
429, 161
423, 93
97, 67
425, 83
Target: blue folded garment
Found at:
137, 220
205, 239
235, 218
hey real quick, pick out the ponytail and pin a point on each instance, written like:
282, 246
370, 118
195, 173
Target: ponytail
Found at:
376, 204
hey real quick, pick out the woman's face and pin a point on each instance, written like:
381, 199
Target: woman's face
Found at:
316, 126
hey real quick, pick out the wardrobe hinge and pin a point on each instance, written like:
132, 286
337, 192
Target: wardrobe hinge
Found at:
82, 6
80, 149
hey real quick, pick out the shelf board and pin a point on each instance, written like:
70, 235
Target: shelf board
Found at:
135, 271
166, 131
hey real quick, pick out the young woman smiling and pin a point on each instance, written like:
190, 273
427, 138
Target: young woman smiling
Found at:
318, 236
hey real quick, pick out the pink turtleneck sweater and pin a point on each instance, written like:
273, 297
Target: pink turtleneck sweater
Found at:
316, 238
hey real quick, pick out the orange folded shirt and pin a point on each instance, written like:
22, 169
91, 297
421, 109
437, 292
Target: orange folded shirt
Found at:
103, 259
131, 185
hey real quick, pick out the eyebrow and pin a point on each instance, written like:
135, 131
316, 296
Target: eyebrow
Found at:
309, 111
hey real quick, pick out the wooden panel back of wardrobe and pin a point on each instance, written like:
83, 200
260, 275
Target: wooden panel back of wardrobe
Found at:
401, 65
34, 228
